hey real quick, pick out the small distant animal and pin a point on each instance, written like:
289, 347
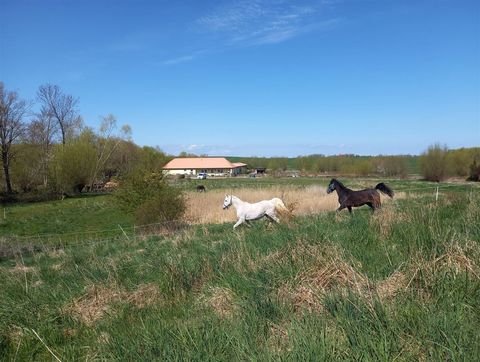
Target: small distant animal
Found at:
247, 211
201, 188
348, 198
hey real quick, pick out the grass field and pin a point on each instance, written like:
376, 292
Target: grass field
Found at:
403, 284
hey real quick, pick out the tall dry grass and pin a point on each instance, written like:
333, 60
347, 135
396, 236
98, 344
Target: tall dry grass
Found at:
206, 207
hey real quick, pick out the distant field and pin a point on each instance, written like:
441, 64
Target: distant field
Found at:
205, 208
402, 284
69, 216
234, 183
98, 217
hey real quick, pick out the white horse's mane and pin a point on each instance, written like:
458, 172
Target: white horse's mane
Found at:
247, 211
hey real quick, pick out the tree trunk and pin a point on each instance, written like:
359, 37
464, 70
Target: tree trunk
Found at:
62, 129
6, 171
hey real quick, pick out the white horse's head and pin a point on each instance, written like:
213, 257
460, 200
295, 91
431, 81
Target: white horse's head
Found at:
227, 201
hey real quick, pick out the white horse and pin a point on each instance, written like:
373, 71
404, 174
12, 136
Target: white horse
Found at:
247, 211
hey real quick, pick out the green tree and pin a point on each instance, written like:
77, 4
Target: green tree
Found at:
125, 158
391, 166
40, 133
12, 127
106, 144
458, 162
277, 163
474, 169
27, 170
433, 163
152, 159
72, 165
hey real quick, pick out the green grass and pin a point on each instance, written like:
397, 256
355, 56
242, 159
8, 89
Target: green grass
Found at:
99, 212
218, 294
45, 220
414, 185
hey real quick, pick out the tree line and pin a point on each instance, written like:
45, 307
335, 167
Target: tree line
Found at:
435, 164
46, 149
398, 166
50, 151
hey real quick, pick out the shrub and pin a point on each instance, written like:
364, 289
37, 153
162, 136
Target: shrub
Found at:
71, 166
395, 166
149, 198
458, 162
167, 205
433, 163
474, 171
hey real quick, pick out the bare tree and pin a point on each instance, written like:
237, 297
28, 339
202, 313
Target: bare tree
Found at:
108, 141
41, 132
12, 126
59, 106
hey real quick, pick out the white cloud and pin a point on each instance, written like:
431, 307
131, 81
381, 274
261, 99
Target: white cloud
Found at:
194, 147
249, 22
182, 59
256, 22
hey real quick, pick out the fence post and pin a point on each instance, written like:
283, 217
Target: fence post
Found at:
436, 195
123, 231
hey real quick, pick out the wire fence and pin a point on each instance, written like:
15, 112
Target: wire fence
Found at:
14, 246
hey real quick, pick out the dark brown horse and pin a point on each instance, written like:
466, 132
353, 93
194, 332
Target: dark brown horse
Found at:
348, 198
201, 188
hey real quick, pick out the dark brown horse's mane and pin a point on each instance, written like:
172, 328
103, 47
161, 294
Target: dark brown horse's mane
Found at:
338, 182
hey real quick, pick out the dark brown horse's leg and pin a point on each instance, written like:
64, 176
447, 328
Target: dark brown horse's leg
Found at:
349, 209
375, 203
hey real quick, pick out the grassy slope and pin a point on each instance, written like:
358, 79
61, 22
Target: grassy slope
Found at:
73, 215
89, 214
308, 290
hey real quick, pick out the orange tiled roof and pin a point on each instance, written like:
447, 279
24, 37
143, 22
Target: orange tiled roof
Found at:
238, 164
199, 163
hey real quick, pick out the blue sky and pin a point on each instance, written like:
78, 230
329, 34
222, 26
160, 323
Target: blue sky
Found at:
258, 77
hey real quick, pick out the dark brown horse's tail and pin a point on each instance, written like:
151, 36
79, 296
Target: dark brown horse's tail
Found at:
384, 189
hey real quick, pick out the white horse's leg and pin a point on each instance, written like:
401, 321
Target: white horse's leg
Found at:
241, 220
274, 217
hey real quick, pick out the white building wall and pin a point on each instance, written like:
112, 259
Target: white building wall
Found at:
208, 171
181, 172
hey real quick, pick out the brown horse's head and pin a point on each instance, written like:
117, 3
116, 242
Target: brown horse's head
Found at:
331, 186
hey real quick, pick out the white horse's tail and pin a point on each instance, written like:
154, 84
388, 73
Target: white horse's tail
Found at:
280, 206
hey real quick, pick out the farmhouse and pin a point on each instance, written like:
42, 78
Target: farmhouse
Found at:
212, 166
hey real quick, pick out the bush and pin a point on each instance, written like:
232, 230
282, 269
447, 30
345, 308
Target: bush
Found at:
71, 167
166, 206
395, 166
149, 198
458, 162
433, 163
474, 171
